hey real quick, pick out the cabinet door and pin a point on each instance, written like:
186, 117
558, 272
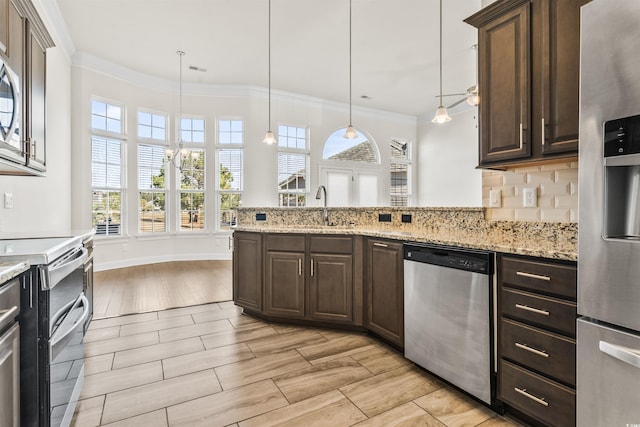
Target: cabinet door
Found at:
36, 104
331, 287
247, 270
560, 83
385, 290
284, 284
504, 80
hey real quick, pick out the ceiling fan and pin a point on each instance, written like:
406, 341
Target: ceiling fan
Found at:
471, 96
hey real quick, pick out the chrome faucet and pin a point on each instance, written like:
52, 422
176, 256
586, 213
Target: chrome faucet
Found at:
325, 214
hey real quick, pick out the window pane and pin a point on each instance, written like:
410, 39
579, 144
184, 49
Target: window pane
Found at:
152, 214
292, 171
99, 108
105, 212
230, 169
105, 162
230, 132
193, 176
399, 149
151, 126
229, 203
192, 211
151, 167
192, 130
105, 116
359, 149
144, 118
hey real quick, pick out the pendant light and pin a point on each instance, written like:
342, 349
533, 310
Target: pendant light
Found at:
351, 131
441, 115
269, 138
179, 156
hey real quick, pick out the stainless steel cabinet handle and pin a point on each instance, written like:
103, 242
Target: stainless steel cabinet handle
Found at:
532, 350
382, 245
312, 269
521, 136
31, 291
523, 391
543, 131
624, 354
533, 276
299, 266
533, 310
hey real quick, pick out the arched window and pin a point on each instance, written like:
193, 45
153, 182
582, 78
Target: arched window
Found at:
360, 149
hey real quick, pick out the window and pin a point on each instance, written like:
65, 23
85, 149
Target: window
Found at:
192, 178
400, 173
359, 149
192, 192
192, 130
293, 160
152, 188
230, 173
106, 167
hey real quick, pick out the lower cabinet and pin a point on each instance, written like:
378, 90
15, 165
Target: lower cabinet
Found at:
331, 287
247, 270
284, 284
537, 330
384, 288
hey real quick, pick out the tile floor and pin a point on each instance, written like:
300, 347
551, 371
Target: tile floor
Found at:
210, 365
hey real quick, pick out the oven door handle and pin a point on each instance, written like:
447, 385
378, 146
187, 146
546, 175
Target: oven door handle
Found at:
67, 335
53, 274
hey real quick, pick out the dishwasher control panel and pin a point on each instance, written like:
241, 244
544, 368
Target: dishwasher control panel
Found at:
460, 259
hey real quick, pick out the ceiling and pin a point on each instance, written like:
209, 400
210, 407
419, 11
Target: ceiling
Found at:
395, 59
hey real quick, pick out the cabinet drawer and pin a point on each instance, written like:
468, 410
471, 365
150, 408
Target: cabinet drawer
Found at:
543, 351
543, 399
544, 311
555, 279
285, 242
331, 244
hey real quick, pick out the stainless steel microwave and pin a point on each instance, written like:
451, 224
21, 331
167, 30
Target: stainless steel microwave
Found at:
11, 140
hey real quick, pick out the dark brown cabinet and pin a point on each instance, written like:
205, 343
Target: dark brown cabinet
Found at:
23, 43
36, 119
537, 329
247, 270
528, 66
284, 289
384, 301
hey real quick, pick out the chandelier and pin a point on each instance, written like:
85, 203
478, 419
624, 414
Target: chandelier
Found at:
178, 157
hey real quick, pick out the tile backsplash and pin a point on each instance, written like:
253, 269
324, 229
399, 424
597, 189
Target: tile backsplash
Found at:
556, 188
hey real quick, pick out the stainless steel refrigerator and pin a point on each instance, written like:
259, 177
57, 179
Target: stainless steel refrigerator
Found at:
608, 335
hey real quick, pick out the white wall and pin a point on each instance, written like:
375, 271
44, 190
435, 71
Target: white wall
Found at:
447, 157
260, 160
42, 204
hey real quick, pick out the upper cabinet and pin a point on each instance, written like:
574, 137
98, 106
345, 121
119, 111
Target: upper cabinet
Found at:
23, 43
529, 59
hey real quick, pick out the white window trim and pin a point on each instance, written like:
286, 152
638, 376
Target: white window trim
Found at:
403, 161
220, 147
290, 150
99, 132
167, 130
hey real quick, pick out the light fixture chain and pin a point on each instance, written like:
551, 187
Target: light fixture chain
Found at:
441, 53
269, 72
350, 104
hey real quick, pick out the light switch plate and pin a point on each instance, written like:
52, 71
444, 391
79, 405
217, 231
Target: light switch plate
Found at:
529, 198
8, 200
495, 198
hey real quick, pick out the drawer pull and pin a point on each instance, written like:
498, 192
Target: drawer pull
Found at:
533, 310
382, 245
299, 266
533, 276
523, 391
532, 350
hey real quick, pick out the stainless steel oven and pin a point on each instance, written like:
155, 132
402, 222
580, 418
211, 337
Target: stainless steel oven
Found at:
53, 312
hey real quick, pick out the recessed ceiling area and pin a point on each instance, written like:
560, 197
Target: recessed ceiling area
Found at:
394, 52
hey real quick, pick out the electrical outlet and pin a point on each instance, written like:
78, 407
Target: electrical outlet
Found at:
529, 198
495, 198
8, 200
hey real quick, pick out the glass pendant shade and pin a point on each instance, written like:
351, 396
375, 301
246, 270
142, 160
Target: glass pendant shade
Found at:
441, 116
350, 133
269, 138
473, 98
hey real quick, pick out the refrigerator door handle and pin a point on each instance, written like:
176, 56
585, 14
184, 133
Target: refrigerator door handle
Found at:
625, 354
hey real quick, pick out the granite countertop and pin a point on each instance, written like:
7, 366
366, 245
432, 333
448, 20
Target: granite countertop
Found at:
11, 269
498, 242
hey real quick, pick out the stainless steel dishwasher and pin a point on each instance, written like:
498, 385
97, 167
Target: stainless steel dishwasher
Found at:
449, 315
